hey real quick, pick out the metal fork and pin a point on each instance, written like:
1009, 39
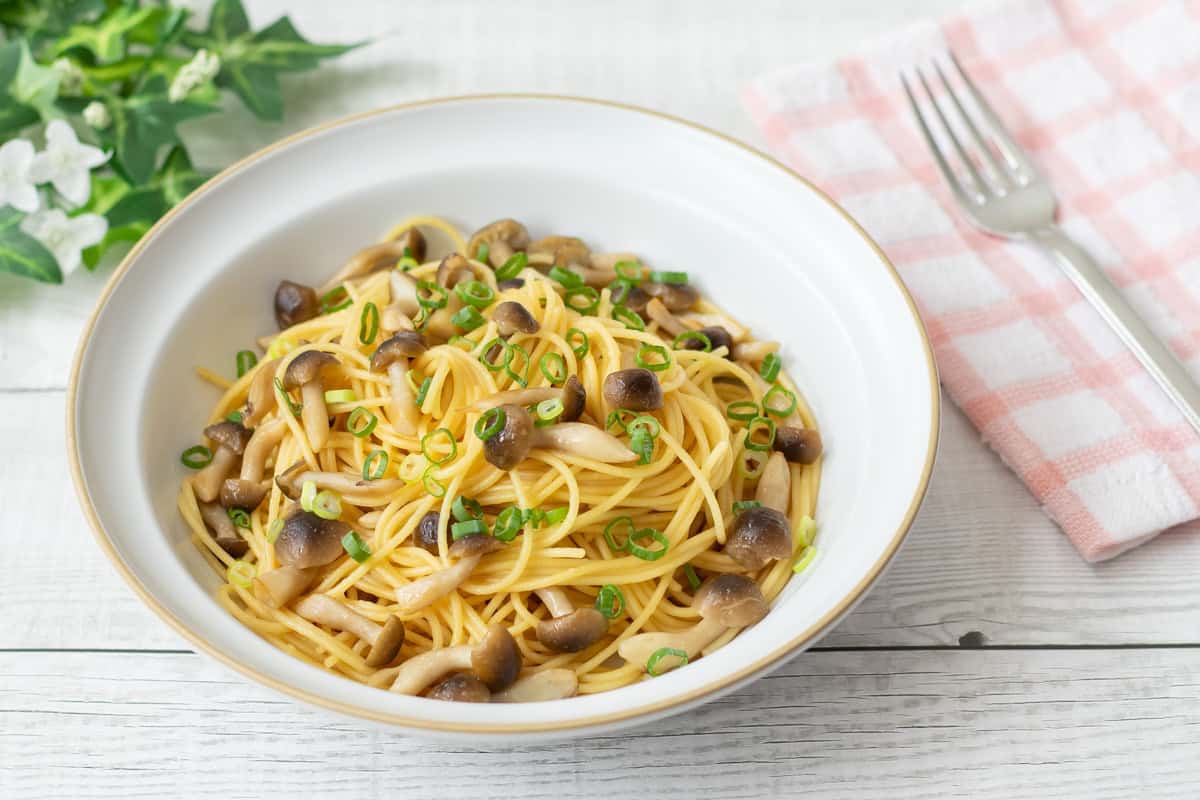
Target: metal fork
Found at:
1007, 196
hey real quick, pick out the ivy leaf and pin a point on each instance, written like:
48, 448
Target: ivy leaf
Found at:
145, 123
21, 254
33, 84
14, 115
40, 19
105, 38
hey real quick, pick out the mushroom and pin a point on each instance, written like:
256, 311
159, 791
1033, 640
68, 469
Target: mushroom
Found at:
760, 534
231, 439
510, 283
636, 389
453, 270
503, 238
216, 518
248, 490
261, 398
798, 445
307, 540
775, 485
393, 355
549, 684
295, 303
377, 257
569, 629
675, 296
572, 394
426, 591
282, 585
509, 446
384, 640
460, 687
426, 534
716, 335
304, 372
512, 317
754, 351
405, 305
725, 601
564, 250
495, 661
352, 488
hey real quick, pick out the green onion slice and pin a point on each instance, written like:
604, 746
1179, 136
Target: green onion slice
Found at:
462, 343
770, 367
587, 294
554, 367
274, 529
549, 410
807, 530
742, 410
407, 262
246, 361
491, 423
680, 341
482, 252
340, 396
471, 527
475, 293
432, 485
755, 426
629, 270
566, 277
618, 290
693, 579
613, 528
804, 560
375, 465
665, 652
239, 517
196, 456
534, 517
505, 349
645, 553
771, 404
610, 601
512, 267
742, 505
628, 318
669, 277
327, 505
355, 547
308, 493
468, 318
235, 416
658, 364
368, 323
508, 524
292, 405
511, 371
645, 423
431, 295
465, 508
241, 573
751, 465
642, 443
556, 515
335, 300
421, 392
430, 439
356, 425
580, 350
617, 417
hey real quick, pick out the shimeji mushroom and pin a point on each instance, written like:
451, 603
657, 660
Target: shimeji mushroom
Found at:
393, 355
495, 660
404, 305
216, 518
384, 640
753, 352
280, 586
569, 629
549, 684
261, 397
352, 488
307, 540
675, 296
564, 251
717, 336
295, 303
231, 439
426, 591
248, 489
460, 687
511, 444
453, 270
377, 257
762, 533
503, 238
724, 602
426, 534
635, 389
305, 372
512, 317
572, 394
798, 445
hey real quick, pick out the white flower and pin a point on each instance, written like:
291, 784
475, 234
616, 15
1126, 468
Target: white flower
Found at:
70, 75
65, 236
65, 163
16, 185
203, 67
96, 114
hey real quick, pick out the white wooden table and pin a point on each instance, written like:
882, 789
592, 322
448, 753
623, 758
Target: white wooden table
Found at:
990, 662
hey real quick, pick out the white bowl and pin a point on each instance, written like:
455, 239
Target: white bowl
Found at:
763, 242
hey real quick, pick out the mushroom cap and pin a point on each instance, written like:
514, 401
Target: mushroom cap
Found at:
675, 296
426, 534
733, 600
760, 534
453, 269
512, 317
509, 446
574, 398
403, 344
718, 336
306, 367
387, 643
414, 240
636, 299
636, 389
572, 632
237, 493
496, 660
295, 303
798, 445
288, 482
566, 250
510, 283
502, 230
309, 541
461, 687
476, 544
229, 434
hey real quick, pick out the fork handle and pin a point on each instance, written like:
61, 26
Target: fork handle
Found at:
1106, 298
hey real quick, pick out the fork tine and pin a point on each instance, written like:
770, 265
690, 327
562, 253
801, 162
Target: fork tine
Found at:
947, 174
982, 188
1013, 152
994, 163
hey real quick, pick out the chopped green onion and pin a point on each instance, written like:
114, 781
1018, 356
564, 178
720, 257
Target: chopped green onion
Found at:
618, 290
629, 270
642, 359
760, 424
519, 377
335, 300
628, 318
196, 456
508, 524
751, 465
568, 278
591, 299
375, 465
610, 532
642, 443
610, 601
368, 323
556, 515
482, 252
804, 560
274, 529
292, 405
534, 517
355, 547
807, 530
580, 350
424, 390
772, 407
468, 318
669, 277
742, 410
465, 508
308, 493
364, 430
665, 652
770, 367
644, 553
407, 262
512, 267
462, 343
548, 410
246, 361
279, 346
742, 505
692, 578
235, 416
239, 517
491, 423
680, 341
554, 367
471, 527
432, 485
434, 296
241, 573
505, 349
644, 423
428, 440
340, 396
617, 417
475, 293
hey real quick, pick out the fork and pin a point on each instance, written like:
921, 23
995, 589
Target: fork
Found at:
1014, 200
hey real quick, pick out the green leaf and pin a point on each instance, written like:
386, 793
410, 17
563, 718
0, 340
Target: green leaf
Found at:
38, 19
105, 38
10, 60
145, 123
34, 85
227, 20
281, 47
23, 255
14, 116
257, 86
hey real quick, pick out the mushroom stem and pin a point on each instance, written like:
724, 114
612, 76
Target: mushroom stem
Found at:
404, 406
315, 415
753, 351
351, 487
638, 649
384, 640
207, 482
261, 397
278, 587
419, 671
549, 684
404, 293
426, 591
265, 439
584, 440
556, 601
224, 532
775, 485
665, 319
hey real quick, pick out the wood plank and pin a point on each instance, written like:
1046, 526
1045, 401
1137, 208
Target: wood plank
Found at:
1006, 725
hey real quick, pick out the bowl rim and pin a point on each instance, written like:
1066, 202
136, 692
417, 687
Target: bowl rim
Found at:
659, 708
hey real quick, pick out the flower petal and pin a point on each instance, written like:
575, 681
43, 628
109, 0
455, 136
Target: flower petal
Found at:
75, 185
87, 230
60, 134
23, 197
16, 155
41, 168
91, 156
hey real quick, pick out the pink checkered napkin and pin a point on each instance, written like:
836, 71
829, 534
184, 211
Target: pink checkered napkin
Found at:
1107, 97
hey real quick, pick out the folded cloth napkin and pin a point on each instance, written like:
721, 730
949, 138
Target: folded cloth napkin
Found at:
1106, 95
